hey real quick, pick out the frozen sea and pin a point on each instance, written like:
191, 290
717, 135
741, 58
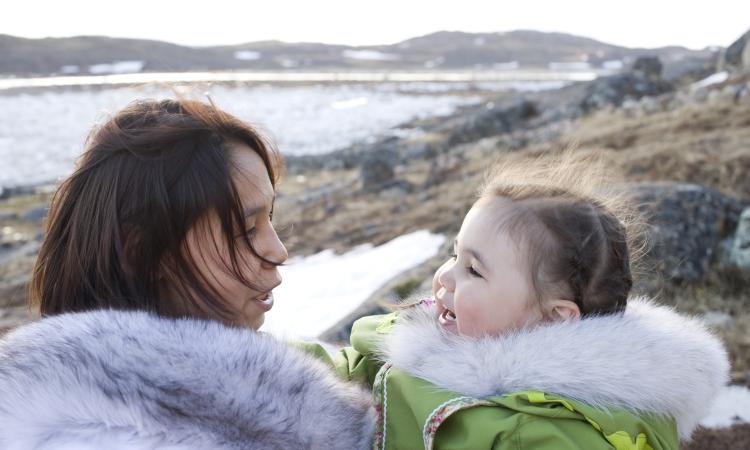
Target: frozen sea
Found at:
42, 132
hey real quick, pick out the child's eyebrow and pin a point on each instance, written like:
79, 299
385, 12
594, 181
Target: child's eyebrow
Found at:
476, 256
472, 252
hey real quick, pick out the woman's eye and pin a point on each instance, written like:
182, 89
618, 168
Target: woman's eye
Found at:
250, 232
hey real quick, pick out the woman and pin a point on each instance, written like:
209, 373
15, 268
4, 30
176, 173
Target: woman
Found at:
159, 262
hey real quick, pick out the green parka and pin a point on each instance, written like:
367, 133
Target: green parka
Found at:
637, 381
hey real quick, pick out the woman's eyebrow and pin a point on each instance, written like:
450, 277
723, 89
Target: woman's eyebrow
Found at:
253, 210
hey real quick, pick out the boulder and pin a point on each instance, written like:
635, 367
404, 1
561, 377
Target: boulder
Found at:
643, 80
648, 66
35, 214
8, 215
739, 253
737, 55
377, 166
688, 223
491, 120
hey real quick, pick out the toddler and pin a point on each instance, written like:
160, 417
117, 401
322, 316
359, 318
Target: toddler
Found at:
531, 340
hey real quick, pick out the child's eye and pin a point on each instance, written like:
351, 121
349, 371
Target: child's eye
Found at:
473, 272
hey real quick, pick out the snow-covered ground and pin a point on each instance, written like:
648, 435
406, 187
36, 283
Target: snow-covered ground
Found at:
41, 134
718, 77
731, 406
319, 290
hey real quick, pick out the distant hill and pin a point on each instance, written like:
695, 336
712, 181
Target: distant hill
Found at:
442, 50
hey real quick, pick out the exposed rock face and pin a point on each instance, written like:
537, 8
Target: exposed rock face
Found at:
739, 253
377, 167
737, 55
495, 119
688, 224
643, 80
648, 66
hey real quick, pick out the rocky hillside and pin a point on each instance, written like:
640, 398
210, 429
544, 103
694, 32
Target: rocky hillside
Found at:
437, 51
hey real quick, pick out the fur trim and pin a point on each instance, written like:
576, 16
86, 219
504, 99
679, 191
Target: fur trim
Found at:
649, 359
131, 380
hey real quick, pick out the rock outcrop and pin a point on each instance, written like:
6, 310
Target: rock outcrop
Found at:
689, 224
739, 252
643, 80
737, 55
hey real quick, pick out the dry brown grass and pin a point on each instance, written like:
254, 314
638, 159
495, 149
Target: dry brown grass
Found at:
707, 144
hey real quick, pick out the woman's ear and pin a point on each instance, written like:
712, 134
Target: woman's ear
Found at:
563, 310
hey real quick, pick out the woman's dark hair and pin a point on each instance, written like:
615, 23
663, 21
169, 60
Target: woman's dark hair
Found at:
580, 236
116, 228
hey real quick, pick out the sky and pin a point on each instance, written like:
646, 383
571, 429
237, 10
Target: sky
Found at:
634, 23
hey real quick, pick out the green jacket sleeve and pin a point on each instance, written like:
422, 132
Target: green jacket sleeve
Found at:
360, 362
313, 349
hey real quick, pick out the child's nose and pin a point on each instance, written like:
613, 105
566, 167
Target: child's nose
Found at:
446, 276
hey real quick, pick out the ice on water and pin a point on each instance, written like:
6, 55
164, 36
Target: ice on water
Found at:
42, 134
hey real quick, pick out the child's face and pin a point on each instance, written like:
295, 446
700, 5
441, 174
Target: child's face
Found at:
484, 289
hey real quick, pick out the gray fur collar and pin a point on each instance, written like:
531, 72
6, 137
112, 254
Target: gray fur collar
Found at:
648, 359
129, 380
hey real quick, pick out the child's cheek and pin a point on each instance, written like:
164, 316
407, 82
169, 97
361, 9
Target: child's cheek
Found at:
464, 320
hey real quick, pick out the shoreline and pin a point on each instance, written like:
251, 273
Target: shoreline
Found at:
300, 77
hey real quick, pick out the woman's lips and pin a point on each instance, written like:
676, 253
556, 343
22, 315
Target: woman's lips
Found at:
265, 301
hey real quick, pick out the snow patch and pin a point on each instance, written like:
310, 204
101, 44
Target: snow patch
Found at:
321, 289
288, 63
511, 65
369, 55
247, 55
731, 406
431, 64
349, 104
613, 64
117, 67
718, 77
70, 69
569, 66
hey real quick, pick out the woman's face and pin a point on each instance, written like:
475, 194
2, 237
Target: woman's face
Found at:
209, 250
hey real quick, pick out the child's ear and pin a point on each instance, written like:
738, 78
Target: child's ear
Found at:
563, 310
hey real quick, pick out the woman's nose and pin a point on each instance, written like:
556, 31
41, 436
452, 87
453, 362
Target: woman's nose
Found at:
273, 249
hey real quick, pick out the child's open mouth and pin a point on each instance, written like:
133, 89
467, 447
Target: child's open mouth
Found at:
448, 320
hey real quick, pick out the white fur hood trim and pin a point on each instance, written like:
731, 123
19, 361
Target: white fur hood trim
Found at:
648, 359
130, 380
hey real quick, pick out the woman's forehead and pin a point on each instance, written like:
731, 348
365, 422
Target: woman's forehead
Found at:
251, 176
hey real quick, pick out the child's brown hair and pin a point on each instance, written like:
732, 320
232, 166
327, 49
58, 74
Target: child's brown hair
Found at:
579, 233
